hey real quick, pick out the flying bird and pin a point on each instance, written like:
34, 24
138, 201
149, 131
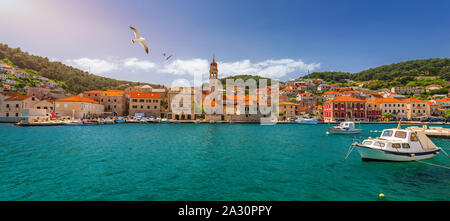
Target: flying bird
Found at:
167, 57
139, 39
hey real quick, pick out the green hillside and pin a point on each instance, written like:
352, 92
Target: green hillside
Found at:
76, 80
411, 73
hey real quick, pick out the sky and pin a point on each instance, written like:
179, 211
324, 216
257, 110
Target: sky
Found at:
279, 39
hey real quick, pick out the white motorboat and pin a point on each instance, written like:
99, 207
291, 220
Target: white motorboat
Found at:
164, 121
345, 128
73, 123
152, 120
108, 121
306, 121
398, 145
143, 120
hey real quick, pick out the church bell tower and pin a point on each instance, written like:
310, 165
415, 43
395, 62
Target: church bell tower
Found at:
213, 72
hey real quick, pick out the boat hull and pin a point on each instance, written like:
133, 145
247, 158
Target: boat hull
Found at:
371, 154
307, 121
355, 131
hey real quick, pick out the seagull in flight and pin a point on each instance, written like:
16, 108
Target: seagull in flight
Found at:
167, 57
139, 39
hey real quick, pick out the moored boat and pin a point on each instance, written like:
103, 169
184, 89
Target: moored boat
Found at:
345, 128
143, 120
119, 121
109, 121
306, 121
164, 121
398, 145
73, 123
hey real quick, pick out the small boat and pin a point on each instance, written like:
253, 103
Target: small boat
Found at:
212, 122
164, 121
345, 128
397, 145
119, 121
143, 120
88, 123
152, 120
197, 121
306, 121
108, 121
73, 123
41, 123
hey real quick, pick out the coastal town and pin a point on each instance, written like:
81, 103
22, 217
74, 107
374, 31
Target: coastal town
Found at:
298, 98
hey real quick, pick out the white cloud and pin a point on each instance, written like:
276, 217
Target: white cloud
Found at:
135, 63
97, 66
187, 67
269, 68
275, 69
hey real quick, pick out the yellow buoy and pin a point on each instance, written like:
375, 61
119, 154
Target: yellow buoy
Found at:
381, 195
327, 132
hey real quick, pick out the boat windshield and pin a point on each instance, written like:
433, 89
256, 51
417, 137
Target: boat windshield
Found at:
400, 134
387, 133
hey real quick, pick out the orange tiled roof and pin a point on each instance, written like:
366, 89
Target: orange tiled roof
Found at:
113, 93
306, 94
76, 99
351, 92
442, 109
345, 98
431, 103
332, 92
18, 97
92, 92
415, 100
287, 103
434, 85
303, 109
9, 94
388, 100
140, 94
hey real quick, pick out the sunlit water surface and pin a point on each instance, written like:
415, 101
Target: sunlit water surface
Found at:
205, 162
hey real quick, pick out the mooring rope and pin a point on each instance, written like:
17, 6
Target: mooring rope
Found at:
436, 165
443, 151
349, 151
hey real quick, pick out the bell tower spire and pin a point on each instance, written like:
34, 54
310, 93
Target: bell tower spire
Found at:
213, 71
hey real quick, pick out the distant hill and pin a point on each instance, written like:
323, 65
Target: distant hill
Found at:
436, 67
76, 80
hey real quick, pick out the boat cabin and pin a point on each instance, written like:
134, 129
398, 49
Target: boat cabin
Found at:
401, 141
347, 124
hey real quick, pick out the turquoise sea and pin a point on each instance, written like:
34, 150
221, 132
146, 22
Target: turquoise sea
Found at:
205, 162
